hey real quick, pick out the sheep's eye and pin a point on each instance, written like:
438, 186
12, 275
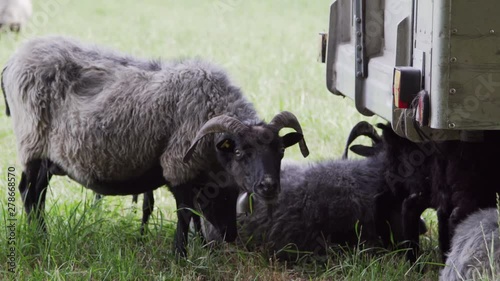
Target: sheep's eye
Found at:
283, 150
237, 153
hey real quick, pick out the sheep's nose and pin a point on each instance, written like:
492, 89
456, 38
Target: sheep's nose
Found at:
267, 188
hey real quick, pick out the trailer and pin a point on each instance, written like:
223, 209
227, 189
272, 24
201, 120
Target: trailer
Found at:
429, 67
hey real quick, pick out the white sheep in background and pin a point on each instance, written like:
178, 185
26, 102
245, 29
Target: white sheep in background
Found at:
475, 249
14, 14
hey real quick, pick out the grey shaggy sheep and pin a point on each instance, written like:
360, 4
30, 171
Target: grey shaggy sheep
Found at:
14, 14
120, 125
475, 248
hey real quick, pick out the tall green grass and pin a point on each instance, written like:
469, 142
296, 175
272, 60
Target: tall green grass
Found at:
270, 50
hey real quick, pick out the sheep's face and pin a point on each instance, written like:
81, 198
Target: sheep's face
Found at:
250, 155
253, 158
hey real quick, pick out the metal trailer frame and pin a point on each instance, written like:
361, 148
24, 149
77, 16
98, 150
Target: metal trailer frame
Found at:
454, 44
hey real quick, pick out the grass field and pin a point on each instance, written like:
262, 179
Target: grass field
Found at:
270, 50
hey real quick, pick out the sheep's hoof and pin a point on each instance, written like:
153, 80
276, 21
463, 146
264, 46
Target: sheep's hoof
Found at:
180, 253
179, 250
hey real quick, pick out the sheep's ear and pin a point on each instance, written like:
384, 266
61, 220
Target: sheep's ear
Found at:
190, 151
226, 145
363, 150
291, 139
219, 124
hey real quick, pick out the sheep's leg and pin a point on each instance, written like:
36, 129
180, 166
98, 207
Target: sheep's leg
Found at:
97, 198
442, 193
23, 184
44, 177
28, 183
443, 215
34, 181
181, 233
197, 224
413, 206
197, 228
147, 208
458, 215
383, 205
184, 199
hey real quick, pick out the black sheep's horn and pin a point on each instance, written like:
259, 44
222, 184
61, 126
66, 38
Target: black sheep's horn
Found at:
286, 119
219, 124
363, 128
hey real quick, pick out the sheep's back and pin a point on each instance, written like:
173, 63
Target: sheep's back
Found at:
319, 204
105, 116
67, 101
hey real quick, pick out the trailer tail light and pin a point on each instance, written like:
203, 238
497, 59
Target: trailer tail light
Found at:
423, 108
407, 83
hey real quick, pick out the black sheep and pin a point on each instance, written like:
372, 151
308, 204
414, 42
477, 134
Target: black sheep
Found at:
327, 203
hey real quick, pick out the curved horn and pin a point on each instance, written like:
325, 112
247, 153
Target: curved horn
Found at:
363, 128
219, 124
286, 119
